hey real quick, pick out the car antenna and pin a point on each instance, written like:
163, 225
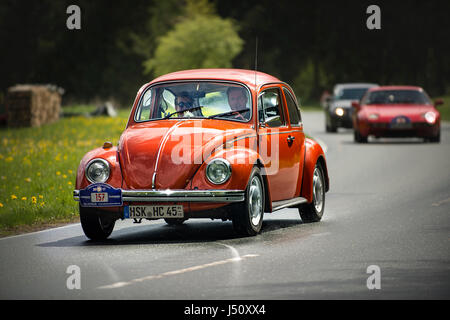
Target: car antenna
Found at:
256, 58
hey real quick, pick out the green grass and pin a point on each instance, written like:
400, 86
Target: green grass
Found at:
38, 167
444, 109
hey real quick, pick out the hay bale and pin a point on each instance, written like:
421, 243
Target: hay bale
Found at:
33, 105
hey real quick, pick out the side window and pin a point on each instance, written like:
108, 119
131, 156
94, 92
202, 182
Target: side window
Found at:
144, 111
294, 112
270, 108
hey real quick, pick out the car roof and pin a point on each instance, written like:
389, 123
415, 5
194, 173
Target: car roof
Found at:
416, 88
239, 75
354, 85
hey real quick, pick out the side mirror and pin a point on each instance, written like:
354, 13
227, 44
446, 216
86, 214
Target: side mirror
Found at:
274, 121
438, 102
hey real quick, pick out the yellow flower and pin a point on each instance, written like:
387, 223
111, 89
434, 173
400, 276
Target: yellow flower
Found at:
42, 204
1, 205
69, 183
33, 199
24, 198
70, 171
38, 174
13, 196
58, 173
41, 196
64, 176
28, 179
9, 159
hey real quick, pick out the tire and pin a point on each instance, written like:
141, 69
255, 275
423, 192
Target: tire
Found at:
313, 212
358, 138
175, 221
331, 128
95, 225
248, 215
435, 139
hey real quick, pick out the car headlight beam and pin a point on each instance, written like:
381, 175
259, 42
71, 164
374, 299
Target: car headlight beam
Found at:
430, 117
97, 171
218, 171
339, 111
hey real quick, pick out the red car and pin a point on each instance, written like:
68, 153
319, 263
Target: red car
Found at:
396, 111
211, 143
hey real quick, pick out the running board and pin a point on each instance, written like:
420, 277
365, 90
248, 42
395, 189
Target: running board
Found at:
278, 205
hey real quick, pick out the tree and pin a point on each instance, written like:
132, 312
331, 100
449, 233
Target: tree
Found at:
200, 40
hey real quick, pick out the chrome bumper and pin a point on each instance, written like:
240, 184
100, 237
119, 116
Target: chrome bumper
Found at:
178, 195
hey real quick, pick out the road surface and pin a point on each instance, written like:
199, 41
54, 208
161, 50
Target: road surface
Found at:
386, 224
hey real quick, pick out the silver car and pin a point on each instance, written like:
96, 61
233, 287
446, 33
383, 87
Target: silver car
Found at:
338, 108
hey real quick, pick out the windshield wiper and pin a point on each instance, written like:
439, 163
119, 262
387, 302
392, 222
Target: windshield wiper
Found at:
190, 109
228, 113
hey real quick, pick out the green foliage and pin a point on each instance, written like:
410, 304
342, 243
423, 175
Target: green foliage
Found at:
198, 41
308, 81
38, 167
444, 109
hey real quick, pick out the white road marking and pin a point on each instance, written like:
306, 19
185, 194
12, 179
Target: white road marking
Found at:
437, 204
176, 272
233, 250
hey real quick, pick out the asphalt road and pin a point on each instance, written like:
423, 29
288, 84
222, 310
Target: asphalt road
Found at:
389, 206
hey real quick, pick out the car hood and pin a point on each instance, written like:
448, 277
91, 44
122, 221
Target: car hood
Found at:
165, 154
342, 103
388, 112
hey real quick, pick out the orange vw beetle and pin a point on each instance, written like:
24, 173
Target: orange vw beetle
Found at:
210, 143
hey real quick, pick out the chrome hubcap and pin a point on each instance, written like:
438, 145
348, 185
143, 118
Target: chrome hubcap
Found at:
318, 193
255, 201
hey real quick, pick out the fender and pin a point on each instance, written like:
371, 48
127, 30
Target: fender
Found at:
314, 154
110, 155
242, 161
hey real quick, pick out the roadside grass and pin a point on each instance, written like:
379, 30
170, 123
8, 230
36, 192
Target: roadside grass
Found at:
38, 168
444, 109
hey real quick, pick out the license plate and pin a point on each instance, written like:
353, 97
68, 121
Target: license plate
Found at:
401, 122
154, 211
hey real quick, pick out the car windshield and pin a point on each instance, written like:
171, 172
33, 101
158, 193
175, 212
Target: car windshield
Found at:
351, 94
397, 97
195, 99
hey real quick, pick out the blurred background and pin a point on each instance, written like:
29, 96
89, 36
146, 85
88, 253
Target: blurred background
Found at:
310, 44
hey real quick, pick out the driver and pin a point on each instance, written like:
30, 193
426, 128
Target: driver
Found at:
183, 102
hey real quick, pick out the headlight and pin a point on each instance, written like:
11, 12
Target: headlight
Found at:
339, 112
430, 117
218, 171
373, 116
97, 171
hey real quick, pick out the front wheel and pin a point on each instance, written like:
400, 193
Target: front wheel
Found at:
248, 218
313, 212
95, 225
358, 137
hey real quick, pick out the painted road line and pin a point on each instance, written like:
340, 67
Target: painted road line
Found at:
177, 272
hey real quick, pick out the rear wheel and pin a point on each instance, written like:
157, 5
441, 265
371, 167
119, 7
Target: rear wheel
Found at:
95, 224
313, 212
248, 217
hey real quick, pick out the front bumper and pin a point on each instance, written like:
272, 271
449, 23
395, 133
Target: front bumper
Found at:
416, 129
206, 196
